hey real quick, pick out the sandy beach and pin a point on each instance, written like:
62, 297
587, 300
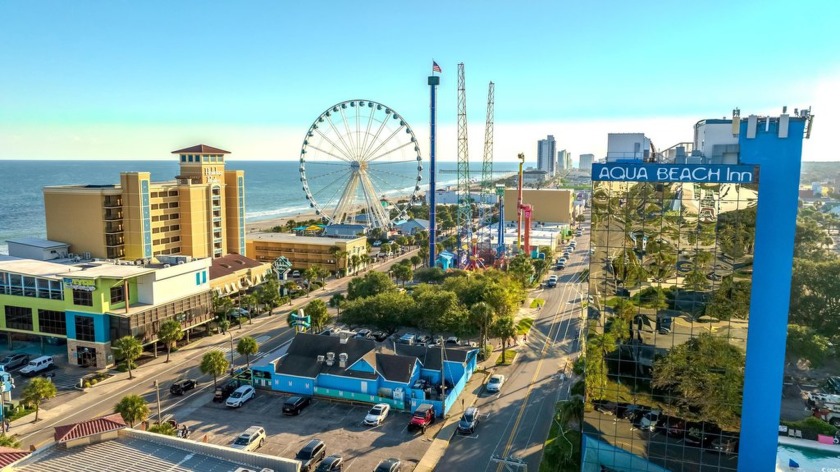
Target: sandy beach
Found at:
266, 225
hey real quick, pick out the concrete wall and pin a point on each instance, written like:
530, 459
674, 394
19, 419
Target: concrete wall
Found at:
174, 282
76, 218
550, 205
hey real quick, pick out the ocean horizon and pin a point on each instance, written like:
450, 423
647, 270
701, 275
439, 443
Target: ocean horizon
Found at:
272, 188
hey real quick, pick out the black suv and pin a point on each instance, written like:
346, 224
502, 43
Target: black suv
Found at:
13, 361
293, 405
182, 386
311, 453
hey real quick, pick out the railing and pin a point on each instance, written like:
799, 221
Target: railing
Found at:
112, 216
113, 203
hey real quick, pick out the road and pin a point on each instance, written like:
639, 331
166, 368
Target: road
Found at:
270, 332
515, 422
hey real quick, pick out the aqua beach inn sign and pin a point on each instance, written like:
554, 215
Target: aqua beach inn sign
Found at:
709, 174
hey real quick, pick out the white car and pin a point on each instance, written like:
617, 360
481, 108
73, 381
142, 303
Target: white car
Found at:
495, 383
249, 440
240, 396
377, 414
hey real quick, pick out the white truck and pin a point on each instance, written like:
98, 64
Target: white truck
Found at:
826, 407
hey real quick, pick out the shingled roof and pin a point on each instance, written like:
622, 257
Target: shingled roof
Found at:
301, 358
201, 149
395, 368
9, 455
100, 425
430, 357
231, 263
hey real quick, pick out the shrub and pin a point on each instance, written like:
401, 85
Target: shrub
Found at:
86, 384
811, 427
94, 381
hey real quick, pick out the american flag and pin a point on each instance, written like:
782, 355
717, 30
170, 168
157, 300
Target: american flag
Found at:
435, 67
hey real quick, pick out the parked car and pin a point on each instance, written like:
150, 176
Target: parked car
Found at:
469, 421
379, 336
452, 340
295, 274
377, 414
726, 443
650, 420
363, 334
310, 454
422, 417
13, 361
407, 338
294, 405
552, 281
495, 383
240, 396
223, 391
330, 464
633, 413
663, 324
700, 434
182, 386
605, 407
422, 339
250, 440
377, 243
388, 465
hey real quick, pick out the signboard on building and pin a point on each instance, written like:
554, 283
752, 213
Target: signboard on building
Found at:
697, 173
80, 284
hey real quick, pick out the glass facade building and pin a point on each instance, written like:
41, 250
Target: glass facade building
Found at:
670, 282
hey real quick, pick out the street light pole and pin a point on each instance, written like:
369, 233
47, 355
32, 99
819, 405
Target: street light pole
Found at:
231, 351
157, 392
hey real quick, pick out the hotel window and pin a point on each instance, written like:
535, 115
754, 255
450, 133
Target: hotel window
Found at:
53, 322
43, 288
117, 294
84, 329
183, 158
16, 284
56, 290
82, 297
18, 317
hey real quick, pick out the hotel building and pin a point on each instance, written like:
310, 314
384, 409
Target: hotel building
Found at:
200, 214
689, 285
333, 254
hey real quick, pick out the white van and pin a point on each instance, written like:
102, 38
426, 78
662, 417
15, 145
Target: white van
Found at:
37, 365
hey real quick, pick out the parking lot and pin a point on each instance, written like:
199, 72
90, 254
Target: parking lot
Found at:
339, 425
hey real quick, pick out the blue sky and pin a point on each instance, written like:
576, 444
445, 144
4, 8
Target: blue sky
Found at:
135, 80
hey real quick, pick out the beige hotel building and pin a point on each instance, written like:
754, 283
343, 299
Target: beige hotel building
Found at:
200, 214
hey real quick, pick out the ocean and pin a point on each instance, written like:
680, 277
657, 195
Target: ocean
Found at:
272, 188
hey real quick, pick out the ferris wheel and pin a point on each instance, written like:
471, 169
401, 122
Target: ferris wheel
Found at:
360, 164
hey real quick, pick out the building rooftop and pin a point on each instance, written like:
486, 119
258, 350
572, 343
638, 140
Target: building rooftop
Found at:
100, 425
201, 149
97, 269
9, 455
230, 264
37, 242
291, 238
34, 267
141, 451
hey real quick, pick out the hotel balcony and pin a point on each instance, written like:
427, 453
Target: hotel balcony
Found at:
112, 203
113, 228
114, 241
113, 215
115, 253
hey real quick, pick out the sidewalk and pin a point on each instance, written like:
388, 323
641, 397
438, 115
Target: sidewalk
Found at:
96, 396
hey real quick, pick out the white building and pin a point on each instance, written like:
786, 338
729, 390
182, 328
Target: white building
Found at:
628, 147
546, 152
586, 161
564, 160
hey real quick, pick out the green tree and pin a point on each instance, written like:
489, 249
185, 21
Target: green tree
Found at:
807, 343
482, 316
598, 346
625, 309
214, 363
730, 300
310, 274
318, 315
165, 429
521, 269
540, 267
248, 302
423, 252
170, 332
437, 311
403, 272
429, 275
268, 293
221, 305
387, 311
504, 328
133, 409
689, 369
337, 301
130, 349
37, 390
815, 295
247, 347
415, 260
370, 284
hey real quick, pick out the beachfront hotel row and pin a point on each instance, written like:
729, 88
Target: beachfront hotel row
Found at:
122, 259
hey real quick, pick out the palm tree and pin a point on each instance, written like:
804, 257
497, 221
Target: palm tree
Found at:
415, 259
133, 409
247, 347
248, 301
169, 333
504, 328
214, 363
165, 429
310, 274
337, 301
482, 314
130, 349
38, 390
